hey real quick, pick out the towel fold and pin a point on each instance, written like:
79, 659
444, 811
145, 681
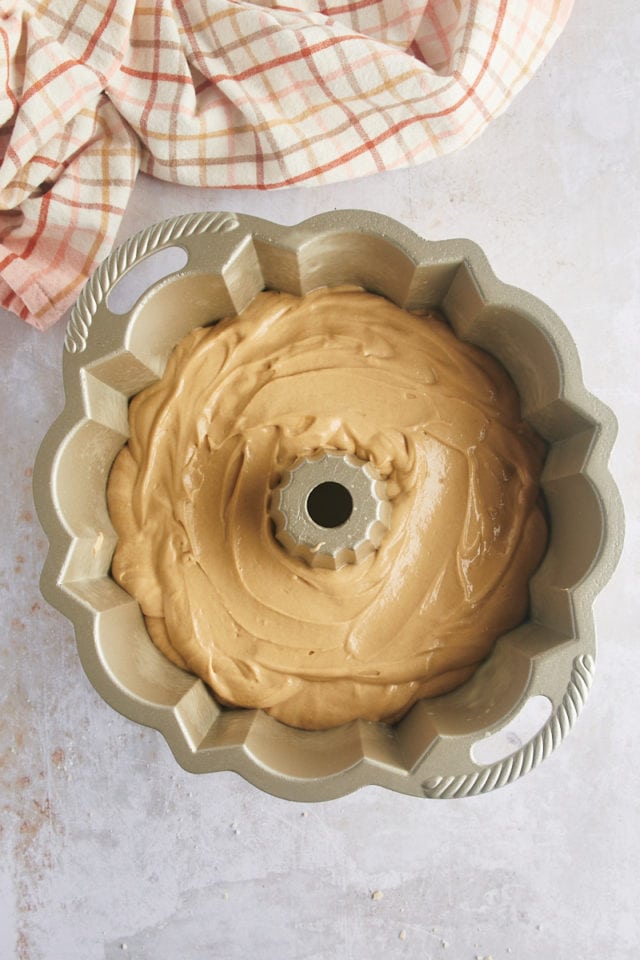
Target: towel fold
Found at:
217, 93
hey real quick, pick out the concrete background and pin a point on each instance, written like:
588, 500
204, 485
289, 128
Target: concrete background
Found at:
109, 850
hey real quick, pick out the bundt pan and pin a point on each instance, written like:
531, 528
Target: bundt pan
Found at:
109, 356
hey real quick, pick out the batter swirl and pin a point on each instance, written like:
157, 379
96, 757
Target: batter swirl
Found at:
345, 370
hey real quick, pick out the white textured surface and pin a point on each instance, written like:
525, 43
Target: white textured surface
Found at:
109, 850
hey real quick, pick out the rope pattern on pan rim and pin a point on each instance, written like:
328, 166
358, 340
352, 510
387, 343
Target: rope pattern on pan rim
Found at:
135, 248
505, 771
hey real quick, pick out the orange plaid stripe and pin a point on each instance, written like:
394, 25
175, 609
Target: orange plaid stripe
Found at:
229, 94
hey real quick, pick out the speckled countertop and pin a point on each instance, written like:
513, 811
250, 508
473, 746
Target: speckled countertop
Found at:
109, 850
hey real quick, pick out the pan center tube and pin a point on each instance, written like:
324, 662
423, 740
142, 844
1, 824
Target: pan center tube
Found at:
331, 509
330, 504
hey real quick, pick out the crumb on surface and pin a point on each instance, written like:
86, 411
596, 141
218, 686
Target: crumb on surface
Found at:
402, 935
377, 895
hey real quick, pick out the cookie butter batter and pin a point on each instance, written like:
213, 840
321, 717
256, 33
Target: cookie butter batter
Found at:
345, 370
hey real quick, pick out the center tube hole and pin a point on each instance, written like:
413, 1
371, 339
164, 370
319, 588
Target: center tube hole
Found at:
329, 504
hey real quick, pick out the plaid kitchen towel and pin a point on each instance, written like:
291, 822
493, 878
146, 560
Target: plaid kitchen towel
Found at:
226, 93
